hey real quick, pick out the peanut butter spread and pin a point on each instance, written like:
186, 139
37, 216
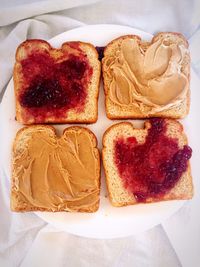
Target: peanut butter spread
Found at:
152, 78
58, 173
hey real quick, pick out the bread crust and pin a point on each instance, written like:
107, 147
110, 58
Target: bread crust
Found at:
173, 113
87, 116
178, 34
181, 191
17, 203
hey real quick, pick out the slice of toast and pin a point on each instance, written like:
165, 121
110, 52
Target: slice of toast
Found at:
56, 85
51, 173
131, 168
147, 79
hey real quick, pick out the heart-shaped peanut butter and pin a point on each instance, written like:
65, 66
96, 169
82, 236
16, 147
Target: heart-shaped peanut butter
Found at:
55, 173
147, 74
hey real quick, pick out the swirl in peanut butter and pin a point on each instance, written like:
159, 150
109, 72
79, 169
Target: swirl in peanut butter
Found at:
58, 173
151, 77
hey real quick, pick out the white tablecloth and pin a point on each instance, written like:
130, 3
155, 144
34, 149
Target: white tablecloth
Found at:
26, 240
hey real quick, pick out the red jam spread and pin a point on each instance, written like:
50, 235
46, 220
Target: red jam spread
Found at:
153, 168
52, 88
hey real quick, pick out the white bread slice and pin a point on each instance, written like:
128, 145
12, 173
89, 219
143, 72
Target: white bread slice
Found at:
90, 112
118, 194
85, 187
115, 111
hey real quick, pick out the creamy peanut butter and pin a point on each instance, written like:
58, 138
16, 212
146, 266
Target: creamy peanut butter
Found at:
150, 78
58, 173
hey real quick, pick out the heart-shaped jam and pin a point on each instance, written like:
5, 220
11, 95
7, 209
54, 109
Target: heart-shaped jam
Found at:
154, 167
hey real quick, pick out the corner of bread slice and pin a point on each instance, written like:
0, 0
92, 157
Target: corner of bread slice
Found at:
118, 194
81, 129
28, 46
25, 133
115, 43
175, 37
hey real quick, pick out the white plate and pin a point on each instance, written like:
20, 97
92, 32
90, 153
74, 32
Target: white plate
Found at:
108, 222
